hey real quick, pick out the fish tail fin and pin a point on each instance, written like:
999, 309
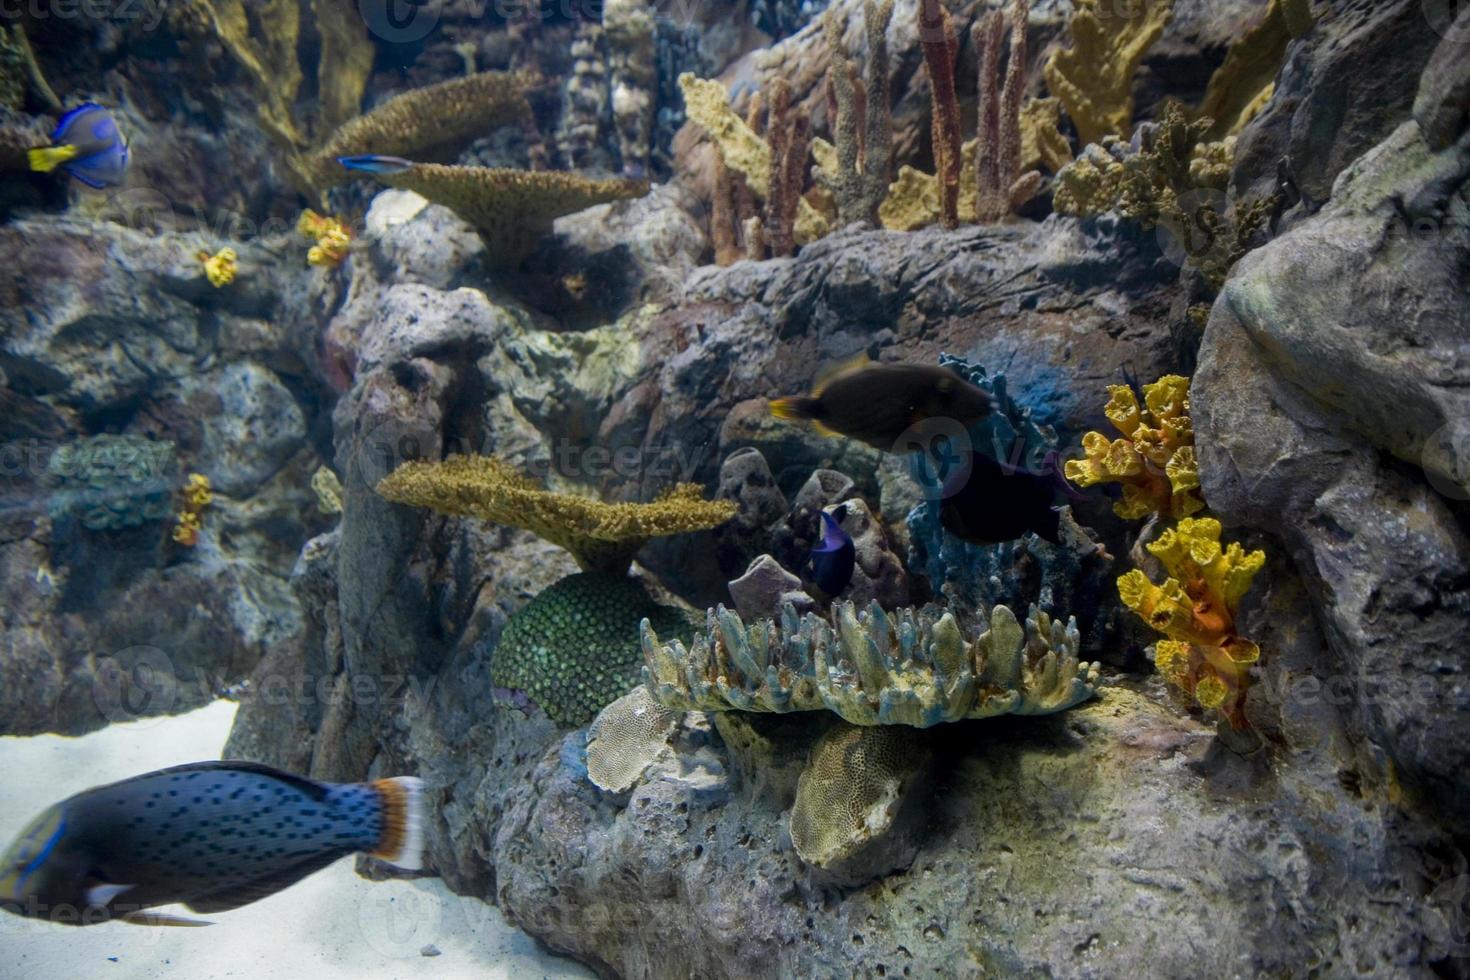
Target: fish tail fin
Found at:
402, 841
44, 159
794, 409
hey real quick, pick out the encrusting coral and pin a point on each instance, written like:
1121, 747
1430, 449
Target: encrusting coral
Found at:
511, 209
852, 789
1154, 461
1094, 77
600, 536
1196, 609
910, 667
575, 648
626, 737
110, 482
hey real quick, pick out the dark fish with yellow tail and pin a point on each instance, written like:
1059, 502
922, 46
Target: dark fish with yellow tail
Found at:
987, 502
879, 403
211, 835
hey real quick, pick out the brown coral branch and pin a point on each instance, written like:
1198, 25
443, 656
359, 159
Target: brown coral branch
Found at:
722, 222
789, 136
1001, 188
937, 37
863, 129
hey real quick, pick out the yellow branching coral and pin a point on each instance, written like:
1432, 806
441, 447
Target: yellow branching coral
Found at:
511, 209
1154, 461
1042, 142
1094, 77
220, 267
331, 236
601, 536
1246, 80
1195, 608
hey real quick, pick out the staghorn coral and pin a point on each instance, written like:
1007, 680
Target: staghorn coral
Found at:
1196, 608
855, 783
857, 174
511, 209
111, 482
601, 536
910, 667
574, 648
424, 121
1094, 77
744, 152
1001, 187
1154, 461
941, 48
625, 737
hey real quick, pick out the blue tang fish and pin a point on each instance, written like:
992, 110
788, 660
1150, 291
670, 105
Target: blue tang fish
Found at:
86, 144
834, 558
212, 835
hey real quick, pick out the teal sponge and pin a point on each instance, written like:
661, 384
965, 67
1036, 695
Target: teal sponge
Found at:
575, 647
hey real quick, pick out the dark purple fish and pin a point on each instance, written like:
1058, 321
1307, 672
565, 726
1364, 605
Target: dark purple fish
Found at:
989, 502
834, 558
212, 835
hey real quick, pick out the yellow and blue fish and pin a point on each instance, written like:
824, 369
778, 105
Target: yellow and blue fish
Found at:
88, 145
212, 835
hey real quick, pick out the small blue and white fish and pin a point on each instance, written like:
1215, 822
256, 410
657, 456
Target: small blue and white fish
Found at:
834, 558
212, 835
88, 145
373, 163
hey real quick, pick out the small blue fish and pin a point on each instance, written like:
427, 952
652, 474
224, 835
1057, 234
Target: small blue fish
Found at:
86, 144
212, 835
833, 560
372, 163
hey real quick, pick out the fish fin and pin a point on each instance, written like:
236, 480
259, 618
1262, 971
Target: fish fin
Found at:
253, 890
793, 409
841, 369
402, 843
87, 179
69, 117
822, 430
102, 893
44, 159
317, 791
375, 163
151, 918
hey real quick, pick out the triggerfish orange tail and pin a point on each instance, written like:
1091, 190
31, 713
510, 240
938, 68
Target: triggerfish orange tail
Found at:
87, 145
211, 835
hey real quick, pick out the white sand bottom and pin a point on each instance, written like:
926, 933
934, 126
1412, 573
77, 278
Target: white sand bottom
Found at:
332, 924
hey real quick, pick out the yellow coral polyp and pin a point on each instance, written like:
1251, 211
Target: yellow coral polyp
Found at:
198, 492
186, 530
330, 234
1195, 608
220, 267
1154, 461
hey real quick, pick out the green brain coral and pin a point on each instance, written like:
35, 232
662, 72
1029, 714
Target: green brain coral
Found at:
110, 482
575, 647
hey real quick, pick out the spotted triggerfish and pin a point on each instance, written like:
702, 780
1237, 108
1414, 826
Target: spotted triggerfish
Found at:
879, 403
212, 835
988, 502
86, 144
834, 558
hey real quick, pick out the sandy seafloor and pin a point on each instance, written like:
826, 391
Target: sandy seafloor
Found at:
332, 924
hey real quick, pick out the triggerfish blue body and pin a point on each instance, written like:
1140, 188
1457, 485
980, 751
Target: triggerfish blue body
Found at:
835, 557
212, 835
86, 144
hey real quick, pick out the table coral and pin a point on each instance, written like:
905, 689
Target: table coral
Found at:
1154, 461
910, 667
511, 209
1094, 77
601, 536
575, 647
1195, 608
626, 737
